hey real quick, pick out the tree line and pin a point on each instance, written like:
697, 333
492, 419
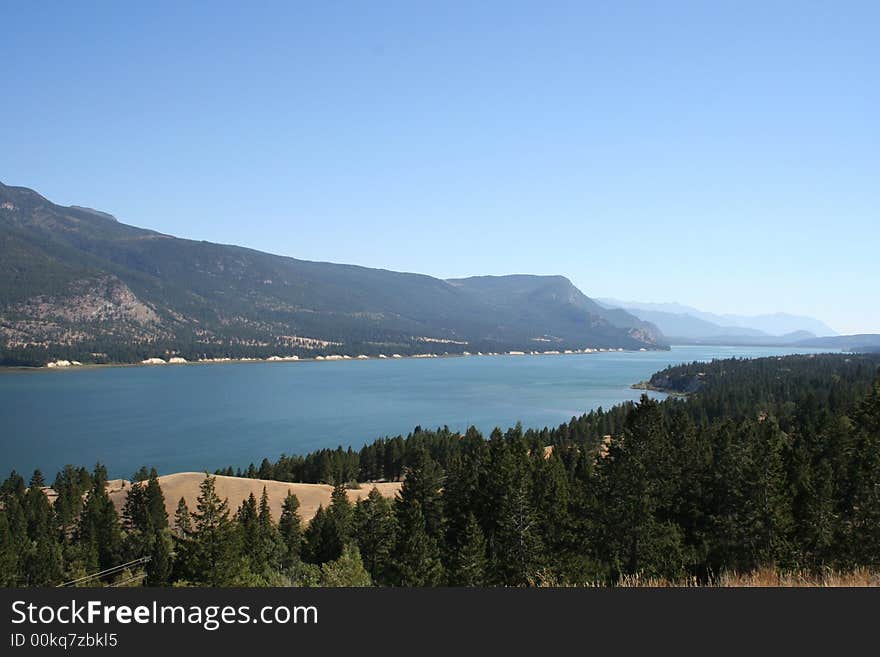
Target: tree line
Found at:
770, 463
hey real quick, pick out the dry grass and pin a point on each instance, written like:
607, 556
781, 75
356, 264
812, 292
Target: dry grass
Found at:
861, 577
237, 489
764, 578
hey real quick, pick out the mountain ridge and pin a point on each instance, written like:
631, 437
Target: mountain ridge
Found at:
79, 283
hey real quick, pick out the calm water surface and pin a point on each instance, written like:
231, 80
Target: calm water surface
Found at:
202, 417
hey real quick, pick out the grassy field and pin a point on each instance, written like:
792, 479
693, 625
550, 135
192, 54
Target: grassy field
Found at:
237, 489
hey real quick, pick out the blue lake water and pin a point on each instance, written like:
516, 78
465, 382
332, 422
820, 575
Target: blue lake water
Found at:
201, 417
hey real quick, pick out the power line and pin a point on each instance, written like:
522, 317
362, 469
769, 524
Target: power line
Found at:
108, 571
128, 581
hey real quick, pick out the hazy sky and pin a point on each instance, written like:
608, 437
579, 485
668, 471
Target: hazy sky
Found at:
724, 155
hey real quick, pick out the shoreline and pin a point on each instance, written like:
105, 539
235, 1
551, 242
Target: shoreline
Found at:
647, 387
641, 385
319, 359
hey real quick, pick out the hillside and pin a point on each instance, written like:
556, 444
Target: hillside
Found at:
77, 283
533, 298
236, 489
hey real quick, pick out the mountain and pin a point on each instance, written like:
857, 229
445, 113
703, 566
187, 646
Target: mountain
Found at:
681, 325
535, 297
779, 323
77, 283
860, 342
684, 323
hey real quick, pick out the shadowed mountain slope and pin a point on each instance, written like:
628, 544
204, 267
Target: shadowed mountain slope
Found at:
77, 283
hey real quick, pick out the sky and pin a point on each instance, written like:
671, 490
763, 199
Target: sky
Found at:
724, 155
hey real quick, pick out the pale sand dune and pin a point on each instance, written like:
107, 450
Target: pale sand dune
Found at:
236, 490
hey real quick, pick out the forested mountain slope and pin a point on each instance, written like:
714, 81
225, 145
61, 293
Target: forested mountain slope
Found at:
75, 282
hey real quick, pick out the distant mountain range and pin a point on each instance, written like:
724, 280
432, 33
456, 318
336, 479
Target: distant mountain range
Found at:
682, 324
76, 283
675, 319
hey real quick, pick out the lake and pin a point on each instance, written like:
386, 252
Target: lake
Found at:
202, 417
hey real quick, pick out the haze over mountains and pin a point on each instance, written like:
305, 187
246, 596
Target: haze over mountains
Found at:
684, 323
76, 283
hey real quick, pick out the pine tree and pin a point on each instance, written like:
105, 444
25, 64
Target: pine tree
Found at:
498, 478
422, 485
37, 480
692, 451
375, 532
416, 554
319, 539
215, 555
182, 544
140, 475
331, 529
864, 530
70, 485
347, 570
9, 572
98, 526
266, 470
146, 528
462, 494
16, 542
247, 511
518, 548
261, 542
155, 502
269, 545
810, 478
766, 508
136, 524
43, 562
246, 518
159, 568
290, 528
727, 548
38, 511
551, 501
821, 521
636, 483
511, 530
134, 511
13, 486
182, 519
468, 564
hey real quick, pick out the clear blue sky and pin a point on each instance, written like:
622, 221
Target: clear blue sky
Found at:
724, 155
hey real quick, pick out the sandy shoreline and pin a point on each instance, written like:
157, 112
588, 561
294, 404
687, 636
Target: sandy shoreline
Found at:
317, 359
